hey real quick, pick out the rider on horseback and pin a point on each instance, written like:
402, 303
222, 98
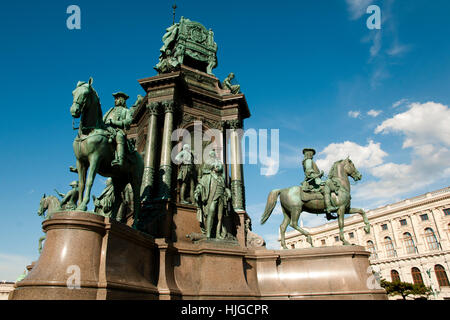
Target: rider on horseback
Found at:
119, 119
313, 181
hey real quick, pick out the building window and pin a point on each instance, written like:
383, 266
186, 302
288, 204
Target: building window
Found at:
389, 246
447, 212
395, 275
431, 239
403, 222
336, 238
323, 242
409, 243
351, 235
416, 275
424, 217
441, 276
372, 250
384, 227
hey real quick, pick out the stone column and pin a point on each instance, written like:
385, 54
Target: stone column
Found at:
150, 151
237, 179
165, 167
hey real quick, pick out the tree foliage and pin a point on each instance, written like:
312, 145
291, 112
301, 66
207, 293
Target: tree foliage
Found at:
405, 289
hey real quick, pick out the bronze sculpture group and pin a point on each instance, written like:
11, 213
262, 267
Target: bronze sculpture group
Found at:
102, 147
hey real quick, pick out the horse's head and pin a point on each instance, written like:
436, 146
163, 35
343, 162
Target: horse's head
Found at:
81, 97
43, 206
351, 169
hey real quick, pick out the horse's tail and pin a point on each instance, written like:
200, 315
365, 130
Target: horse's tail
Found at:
270, 205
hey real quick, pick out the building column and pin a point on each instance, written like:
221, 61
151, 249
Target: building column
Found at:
377, 244
165, 167
416, 239
150, 152
237, 179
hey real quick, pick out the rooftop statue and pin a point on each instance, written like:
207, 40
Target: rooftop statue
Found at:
234, 88
295, 200
136, 104
96, 143
190, 43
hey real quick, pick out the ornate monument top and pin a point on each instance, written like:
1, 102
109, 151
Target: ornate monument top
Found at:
190, 43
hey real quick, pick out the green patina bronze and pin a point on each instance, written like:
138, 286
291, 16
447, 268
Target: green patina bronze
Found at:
186, 173
70, 199
313, 182
190, 43
295, 200
97, 142
49, 204
226, 84
105, 202
211, 196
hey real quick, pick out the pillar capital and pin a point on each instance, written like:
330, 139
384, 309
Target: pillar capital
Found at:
153, 108
234, 124
168, 106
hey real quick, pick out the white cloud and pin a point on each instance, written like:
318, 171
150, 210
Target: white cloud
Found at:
362, 156
399, 103
12, 266
422, 124
357, 8
395, 180
374, 113
426, 133
398, 49
270, 167
354, 114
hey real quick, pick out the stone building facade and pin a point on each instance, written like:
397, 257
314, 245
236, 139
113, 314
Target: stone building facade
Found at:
409, 240
5, 289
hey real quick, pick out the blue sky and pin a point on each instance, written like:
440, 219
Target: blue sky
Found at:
311, 69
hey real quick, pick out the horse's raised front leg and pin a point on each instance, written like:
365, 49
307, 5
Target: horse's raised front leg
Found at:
93, 167
363, 214
341, 216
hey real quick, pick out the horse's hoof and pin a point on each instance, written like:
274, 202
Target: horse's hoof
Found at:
82, 208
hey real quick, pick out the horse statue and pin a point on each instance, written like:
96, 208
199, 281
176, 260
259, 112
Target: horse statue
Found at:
293, 201
48, 204
95, 149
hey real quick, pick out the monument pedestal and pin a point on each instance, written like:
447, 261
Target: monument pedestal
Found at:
87, 256
108, 260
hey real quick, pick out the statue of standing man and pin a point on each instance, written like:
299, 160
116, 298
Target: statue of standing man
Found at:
212, 196
186, 173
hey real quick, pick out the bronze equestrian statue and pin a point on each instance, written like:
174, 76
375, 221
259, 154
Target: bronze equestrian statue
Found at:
96, 144
295, 200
